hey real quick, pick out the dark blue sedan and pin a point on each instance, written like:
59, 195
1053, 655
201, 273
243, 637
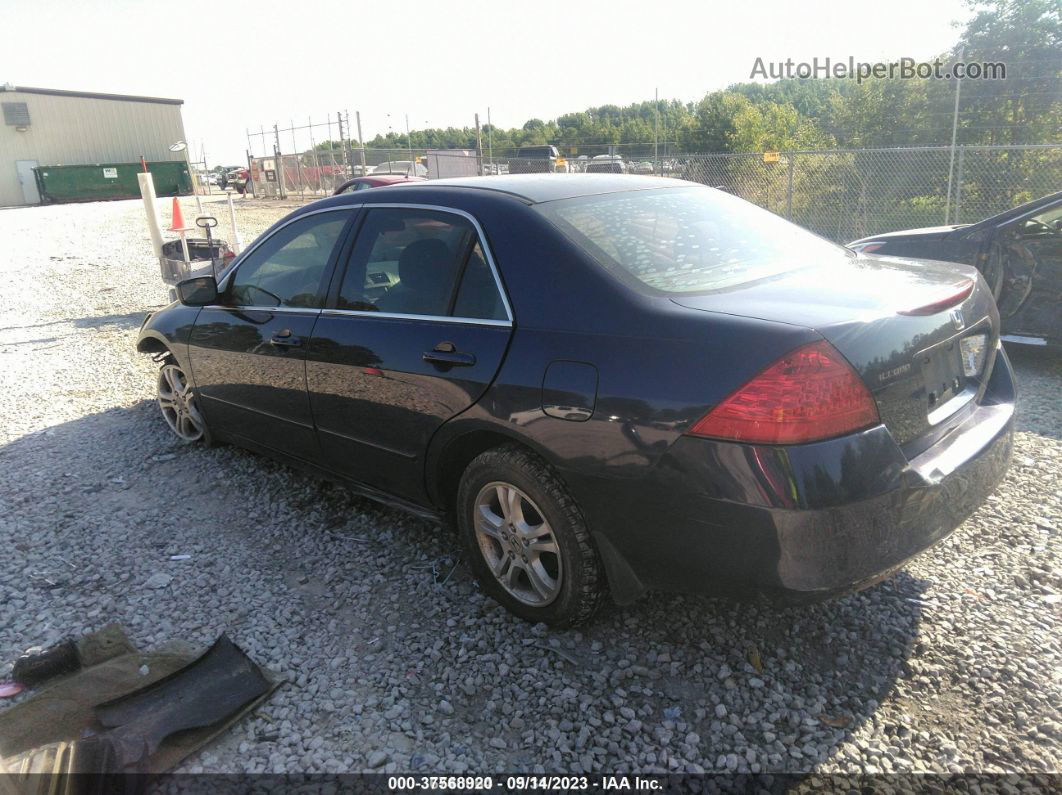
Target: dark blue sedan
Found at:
606, 383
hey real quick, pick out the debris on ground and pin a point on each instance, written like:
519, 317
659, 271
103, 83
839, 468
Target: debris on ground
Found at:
104, 717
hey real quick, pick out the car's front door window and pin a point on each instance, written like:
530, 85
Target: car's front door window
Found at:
288, 268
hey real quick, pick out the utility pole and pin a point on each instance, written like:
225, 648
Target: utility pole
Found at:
479, 147
343, 146
361, 141
954, 131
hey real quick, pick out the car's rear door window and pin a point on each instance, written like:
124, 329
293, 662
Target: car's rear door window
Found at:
684, 240
478, 295
410, 261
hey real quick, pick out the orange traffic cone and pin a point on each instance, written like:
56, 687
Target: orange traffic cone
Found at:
177, 224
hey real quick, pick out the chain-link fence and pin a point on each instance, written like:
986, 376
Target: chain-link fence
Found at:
840, 194
844, 195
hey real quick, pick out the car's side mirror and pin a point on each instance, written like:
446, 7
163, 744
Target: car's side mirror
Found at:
199, 291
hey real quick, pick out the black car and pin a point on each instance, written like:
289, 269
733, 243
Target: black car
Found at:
537, 160
610, 383
1019, 252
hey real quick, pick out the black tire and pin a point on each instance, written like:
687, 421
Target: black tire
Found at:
581, 581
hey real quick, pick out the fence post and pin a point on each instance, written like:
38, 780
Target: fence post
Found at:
789, 188
298, 162
958, 186
313, 151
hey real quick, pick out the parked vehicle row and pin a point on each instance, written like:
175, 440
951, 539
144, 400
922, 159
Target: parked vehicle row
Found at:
717, 400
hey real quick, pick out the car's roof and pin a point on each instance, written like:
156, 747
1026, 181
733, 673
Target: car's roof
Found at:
537, 188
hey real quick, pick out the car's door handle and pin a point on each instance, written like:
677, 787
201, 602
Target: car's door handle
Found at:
446, 353
285, 339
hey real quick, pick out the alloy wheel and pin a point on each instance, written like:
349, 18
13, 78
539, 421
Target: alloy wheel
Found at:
518, 544
177, 401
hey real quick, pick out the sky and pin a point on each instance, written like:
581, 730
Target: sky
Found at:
240, 65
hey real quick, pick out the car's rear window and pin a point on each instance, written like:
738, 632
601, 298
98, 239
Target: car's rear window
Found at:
686, 240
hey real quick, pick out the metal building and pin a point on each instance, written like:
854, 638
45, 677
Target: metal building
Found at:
49, 127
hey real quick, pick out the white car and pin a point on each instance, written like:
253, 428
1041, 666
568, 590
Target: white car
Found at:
606, 164
407, 167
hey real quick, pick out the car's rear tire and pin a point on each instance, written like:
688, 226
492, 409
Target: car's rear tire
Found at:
526, 540
179, 404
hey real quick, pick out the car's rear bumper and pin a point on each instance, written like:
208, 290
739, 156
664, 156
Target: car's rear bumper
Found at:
803, 522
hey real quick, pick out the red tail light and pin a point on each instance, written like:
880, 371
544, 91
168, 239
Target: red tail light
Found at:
868, 248
809, 394
959, 293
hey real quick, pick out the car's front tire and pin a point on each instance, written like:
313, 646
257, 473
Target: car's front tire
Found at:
526, 540
180, 405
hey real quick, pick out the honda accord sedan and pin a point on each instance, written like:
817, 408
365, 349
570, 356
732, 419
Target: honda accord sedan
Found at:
607, 383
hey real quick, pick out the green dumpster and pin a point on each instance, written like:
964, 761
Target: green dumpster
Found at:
103, 181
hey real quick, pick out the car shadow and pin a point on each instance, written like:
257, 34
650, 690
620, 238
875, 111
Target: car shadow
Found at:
126, 322
131, 320
786, 687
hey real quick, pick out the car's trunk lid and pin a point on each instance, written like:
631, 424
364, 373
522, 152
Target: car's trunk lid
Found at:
901, 323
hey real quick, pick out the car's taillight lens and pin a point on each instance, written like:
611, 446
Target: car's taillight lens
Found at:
809, 394
867, 248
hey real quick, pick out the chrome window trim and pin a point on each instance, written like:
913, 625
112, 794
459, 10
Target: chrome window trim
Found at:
464, 321
307, 310
480, 235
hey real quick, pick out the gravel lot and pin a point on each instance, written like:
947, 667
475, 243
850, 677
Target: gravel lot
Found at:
395, 660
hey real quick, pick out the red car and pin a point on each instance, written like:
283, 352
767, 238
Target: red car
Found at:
374, 181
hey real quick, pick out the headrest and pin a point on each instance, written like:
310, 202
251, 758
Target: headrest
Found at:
426, 266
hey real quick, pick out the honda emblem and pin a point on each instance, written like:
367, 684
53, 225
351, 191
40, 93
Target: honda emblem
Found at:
956, 319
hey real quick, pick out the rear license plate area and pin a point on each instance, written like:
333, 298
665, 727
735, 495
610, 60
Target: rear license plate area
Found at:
942, 374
